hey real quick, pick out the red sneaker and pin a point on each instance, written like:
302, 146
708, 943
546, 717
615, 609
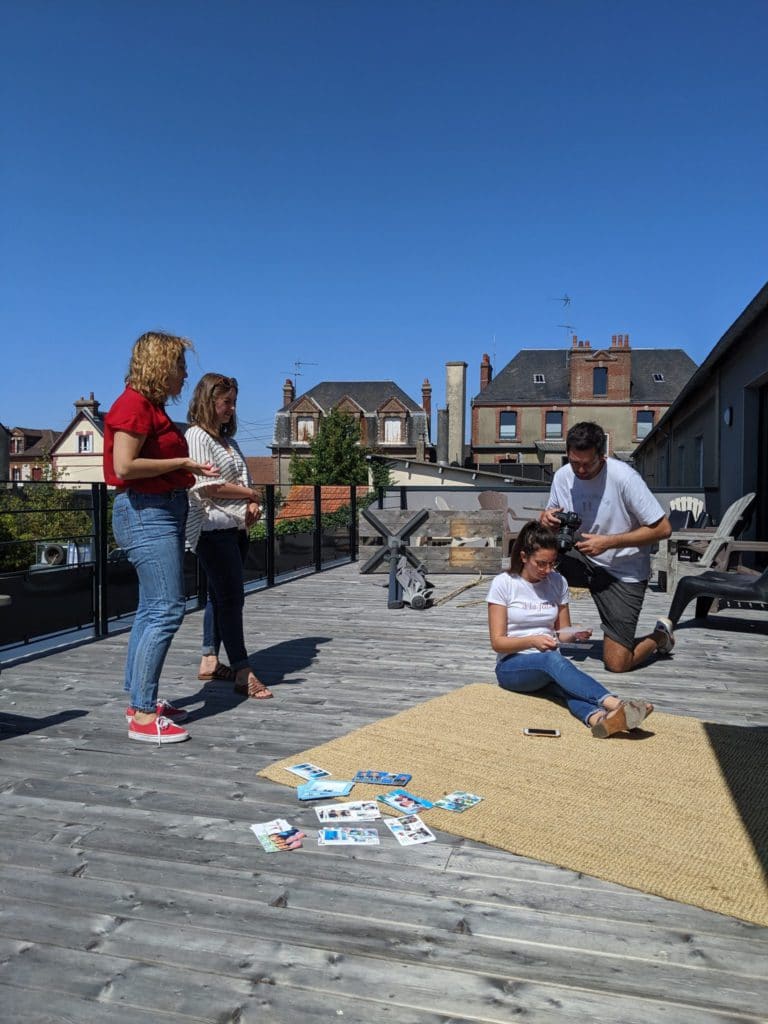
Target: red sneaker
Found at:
163, 708
162, 730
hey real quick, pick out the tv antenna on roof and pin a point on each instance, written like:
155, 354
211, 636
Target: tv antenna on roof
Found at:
297, 371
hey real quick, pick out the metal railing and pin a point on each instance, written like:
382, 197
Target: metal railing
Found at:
62, 572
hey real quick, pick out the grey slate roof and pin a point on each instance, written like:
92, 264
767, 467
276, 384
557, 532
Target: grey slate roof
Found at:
514, 383
39, 442
369, 394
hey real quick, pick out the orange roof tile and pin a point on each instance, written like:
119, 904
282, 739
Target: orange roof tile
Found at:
300, 500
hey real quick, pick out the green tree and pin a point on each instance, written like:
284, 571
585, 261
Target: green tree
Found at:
40, 512
335, 454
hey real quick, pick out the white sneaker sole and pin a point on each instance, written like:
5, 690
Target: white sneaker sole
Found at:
158, 740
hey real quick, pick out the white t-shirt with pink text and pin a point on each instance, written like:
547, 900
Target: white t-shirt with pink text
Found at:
531, 607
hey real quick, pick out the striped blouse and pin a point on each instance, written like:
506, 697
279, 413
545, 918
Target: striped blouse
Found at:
205, 512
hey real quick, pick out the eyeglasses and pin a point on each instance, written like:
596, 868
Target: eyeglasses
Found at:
541, 564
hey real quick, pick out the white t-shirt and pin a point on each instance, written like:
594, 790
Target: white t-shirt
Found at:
532, 608
617, 500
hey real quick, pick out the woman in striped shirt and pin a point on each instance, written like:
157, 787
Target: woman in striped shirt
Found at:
220, 513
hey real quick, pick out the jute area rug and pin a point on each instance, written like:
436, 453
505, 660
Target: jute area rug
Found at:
678, 809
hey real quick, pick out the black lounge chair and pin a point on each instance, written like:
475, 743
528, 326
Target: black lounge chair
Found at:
711, 586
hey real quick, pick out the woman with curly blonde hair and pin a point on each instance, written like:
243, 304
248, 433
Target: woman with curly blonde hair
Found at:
146, 458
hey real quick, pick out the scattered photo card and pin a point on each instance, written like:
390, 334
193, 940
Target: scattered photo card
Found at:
405, 802
375, 778
308, 771
277, 836
458, 801
347, 837
321, 789
410, 830
352, 810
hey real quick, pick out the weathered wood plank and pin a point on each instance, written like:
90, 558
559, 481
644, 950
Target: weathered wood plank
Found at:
143, 843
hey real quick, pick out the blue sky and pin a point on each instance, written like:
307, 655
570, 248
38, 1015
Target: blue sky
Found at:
369, 188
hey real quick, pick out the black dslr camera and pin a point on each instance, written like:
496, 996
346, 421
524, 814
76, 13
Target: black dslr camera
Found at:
569, 524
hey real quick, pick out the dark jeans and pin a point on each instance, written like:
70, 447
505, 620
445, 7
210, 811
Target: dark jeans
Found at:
221, 554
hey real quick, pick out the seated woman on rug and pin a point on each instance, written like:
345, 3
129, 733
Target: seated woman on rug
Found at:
527, 608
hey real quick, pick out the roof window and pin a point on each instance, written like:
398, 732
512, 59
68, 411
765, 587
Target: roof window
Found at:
658, 378
538, 378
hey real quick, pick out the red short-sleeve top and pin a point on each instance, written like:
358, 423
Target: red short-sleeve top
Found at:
135, 414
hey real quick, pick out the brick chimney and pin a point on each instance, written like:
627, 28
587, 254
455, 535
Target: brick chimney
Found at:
426, 404
486, 371
289, 392
87, 404
579, 344
426, 397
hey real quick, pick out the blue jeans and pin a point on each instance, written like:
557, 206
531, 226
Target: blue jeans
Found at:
150, 528
221, 554
538, 670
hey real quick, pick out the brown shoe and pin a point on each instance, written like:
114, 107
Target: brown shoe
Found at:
253, 688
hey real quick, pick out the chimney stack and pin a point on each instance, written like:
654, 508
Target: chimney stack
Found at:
87, 403
289, 392
486, 372
456, 400
426, 404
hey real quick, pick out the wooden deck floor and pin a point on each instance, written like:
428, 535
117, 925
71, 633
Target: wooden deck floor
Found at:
133, 891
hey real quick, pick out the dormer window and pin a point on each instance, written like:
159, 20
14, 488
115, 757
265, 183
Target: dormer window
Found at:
393, 430
600, 381
538, 378
658, 378
305, 428
17, 445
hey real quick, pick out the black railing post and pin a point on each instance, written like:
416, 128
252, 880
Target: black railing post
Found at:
403, 499
270, 527
353, 523
100, 576
317, 534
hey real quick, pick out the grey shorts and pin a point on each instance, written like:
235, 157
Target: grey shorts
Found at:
619, 604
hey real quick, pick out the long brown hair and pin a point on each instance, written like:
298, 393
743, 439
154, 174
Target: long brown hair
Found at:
202, 406
531, 538
154, 362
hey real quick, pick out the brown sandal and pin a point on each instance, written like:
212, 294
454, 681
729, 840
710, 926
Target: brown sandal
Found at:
221, 674
254, 688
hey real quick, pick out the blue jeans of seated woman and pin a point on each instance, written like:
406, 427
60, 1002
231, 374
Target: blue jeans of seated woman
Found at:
150, 529
222, 554
538, 670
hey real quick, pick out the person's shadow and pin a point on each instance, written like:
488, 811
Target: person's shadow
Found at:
22, 725
277, 665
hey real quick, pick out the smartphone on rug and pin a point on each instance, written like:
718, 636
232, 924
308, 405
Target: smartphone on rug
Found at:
541, 732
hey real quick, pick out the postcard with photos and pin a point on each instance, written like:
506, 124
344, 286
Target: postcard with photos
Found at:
347, 837
277, 836
458, 801
374, 778
410, 830
308, 771
351, 810
322, 789
405, 802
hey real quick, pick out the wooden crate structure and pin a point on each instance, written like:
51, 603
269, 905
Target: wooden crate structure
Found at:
447, 541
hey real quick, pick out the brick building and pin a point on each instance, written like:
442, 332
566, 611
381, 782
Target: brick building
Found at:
521, 417
390, 421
